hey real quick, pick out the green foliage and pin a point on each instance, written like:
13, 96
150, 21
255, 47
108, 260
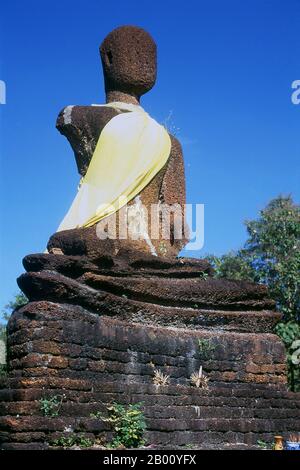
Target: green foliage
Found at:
263, 445
97, 415
128, 424
70, 440
289, 332
206, 348
233, 266
3, 370
19, 300
204, 275
50, 406
273, 250
190, 446
271, 256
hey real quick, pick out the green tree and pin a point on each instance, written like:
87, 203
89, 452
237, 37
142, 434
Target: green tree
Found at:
273, 250
19, 300
271, 256
233, 266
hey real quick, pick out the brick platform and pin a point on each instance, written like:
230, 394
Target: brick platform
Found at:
57, 349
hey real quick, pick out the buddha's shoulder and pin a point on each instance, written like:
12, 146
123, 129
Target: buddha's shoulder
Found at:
82, 117
176, 147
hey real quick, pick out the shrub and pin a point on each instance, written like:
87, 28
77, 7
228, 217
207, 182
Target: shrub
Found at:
71, 440
128, 424
51, 406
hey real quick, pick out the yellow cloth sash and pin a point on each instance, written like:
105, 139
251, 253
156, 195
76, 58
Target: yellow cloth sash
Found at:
131, 150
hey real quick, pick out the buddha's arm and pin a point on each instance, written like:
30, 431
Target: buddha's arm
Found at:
173, 183
82, 126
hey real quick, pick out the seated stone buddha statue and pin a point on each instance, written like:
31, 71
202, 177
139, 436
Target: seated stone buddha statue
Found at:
122, 154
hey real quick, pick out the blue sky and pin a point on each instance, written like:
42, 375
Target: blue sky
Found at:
225, 70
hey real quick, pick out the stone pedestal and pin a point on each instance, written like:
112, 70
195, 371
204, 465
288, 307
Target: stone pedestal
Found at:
97, 338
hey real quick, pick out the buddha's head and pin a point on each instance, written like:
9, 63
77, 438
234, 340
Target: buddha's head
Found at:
128, 57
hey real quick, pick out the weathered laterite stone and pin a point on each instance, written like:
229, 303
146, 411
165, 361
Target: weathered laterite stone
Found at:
247, 400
